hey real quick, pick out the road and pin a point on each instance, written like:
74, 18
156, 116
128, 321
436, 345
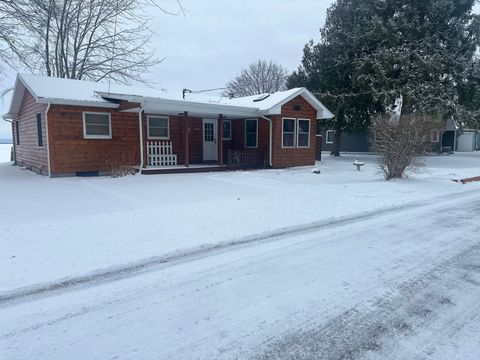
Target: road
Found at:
402, 285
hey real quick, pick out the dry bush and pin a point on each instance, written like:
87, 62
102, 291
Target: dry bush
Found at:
122, 164
401, 142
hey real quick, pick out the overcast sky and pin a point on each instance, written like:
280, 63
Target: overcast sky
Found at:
217, 38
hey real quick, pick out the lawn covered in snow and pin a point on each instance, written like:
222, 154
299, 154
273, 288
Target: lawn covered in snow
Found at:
5, 150
53, 229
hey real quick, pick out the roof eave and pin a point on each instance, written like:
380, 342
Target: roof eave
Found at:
171, 105
98, 104
9, 116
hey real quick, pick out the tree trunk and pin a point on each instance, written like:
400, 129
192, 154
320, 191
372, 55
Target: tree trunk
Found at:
337, 142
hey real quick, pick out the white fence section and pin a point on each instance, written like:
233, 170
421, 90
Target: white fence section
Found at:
160, 154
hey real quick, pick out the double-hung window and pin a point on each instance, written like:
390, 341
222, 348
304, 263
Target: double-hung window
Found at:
97, 125
303, 133
158, 127
295, 133
251, 133
288, 133
227, 129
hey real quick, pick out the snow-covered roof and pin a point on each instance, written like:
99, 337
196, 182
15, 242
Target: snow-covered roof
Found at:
100, 94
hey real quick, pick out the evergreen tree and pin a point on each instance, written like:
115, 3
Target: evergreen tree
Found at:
425, 55
372, 52
328, 67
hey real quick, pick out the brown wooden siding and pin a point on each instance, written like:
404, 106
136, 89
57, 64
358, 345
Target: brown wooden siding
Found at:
71, 153
28, 153
294, 156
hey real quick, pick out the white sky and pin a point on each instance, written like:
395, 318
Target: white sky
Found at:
217, 38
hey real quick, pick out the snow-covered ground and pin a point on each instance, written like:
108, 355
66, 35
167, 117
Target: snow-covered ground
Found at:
5, 150
53, 229
400, 285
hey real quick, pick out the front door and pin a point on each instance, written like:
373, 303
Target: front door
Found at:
210, 148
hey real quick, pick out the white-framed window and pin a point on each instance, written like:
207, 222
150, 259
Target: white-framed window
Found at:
303, 133
288, 132
330, 136
158, 127
227, 129
251, 133
97, 125
435, 136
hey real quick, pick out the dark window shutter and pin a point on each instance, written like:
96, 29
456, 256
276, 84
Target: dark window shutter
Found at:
39, 129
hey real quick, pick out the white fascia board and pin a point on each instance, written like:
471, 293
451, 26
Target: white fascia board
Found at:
17, 96
78, 103
179, 106
176, 106
322, 111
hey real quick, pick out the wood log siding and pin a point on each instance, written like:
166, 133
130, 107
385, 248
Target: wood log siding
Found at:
28, 153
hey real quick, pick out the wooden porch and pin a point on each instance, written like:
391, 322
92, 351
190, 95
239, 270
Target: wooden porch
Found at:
162, 160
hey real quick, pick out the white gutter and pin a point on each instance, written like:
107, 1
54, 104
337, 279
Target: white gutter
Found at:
271, 137
8, 118
99, 104
141, 136
48, 140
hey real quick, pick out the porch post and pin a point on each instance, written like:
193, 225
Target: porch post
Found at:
220, 139
186, 138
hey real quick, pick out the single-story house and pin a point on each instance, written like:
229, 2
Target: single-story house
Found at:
64, 127
449, 138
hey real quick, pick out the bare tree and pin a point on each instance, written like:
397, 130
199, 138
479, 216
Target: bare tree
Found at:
9, 35
84, 39
400, 142
258, 78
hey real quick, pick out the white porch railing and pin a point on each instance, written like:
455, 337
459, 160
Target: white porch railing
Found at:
160, 154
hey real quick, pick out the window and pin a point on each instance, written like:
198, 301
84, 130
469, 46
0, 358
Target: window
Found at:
97, 125
17, 132
288, 133
227, 130
303, 133
434, 136
158, 127
251, 133
330, 136
39, 130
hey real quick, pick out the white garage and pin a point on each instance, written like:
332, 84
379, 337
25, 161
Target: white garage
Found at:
467, 141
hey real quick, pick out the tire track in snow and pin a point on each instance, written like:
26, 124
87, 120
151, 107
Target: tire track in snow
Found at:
371, 331
151, 264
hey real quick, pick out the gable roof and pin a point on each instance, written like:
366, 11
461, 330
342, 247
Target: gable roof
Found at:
87, 93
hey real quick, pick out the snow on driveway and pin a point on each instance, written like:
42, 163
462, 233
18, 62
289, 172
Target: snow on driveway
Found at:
403, 285
53, 229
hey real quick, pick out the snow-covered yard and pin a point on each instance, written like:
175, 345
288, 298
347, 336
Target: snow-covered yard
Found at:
53, 229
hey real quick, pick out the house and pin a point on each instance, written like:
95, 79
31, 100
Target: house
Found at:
64, 127
446, 138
